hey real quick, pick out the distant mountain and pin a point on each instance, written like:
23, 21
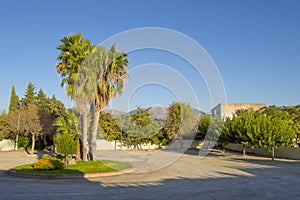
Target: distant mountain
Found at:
115, 113
162, 112
157, 112
199, 113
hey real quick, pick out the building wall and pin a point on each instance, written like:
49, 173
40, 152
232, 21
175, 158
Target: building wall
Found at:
107, 145
227, 110
283, 152
7, 145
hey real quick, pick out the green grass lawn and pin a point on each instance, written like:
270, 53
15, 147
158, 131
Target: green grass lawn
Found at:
81, 167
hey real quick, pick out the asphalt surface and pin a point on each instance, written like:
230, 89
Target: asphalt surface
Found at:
216, 176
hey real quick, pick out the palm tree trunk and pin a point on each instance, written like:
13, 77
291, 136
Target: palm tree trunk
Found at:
33, 143
84, 137
78, 149
93, 135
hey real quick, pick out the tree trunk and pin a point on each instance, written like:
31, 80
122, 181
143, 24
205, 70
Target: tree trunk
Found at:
33, 143
223, 148
244, 150
273, 153
84, 137
17, 140
93, 135
121, 141
78, 150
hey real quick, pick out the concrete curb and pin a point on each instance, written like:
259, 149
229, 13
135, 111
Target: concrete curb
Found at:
70, 176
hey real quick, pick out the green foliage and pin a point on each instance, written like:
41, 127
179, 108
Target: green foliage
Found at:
273, 132
108, 125
214, 130
66, 144
269, 128
48, 163
203, 126
24, 141
30, 95
181, 121
67, 134
67, 123
3, 125
160, 139
139, 128
74, 50
14, 100
142, 117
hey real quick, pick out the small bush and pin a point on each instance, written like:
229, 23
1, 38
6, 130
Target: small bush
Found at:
66, 143
48, 163
24, 142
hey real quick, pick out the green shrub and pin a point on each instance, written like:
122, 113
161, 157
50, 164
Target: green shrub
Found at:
66, 143
48, 163
23, 142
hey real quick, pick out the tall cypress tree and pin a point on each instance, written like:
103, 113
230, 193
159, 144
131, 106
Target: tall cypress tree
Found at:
14, 100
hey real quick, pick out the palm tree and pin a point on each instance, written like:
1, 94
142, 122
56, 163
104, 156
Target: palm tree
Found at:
110, 82
74, 50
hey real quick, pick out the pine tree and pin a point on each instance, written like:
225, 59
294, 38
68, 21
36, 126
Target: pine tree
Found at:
42, 99
14, 100
30, 95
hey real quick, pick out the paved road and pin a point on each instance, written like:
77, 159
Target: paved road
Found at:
216, 176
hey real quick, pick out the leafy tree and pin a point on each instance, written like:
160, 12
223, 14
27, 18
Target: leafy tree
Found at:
160, 139
142, 117
228, 131
74, 50
294, 113
269, 128
181, 121
16, 125
239, 129
33, 124
67, 133
46, 120
3, 125
109, 126
140, 128
214, 132
274, 131
203, 126
14, 100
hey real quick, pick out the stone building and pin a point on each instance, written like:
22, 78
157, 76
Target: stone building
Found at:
224, 110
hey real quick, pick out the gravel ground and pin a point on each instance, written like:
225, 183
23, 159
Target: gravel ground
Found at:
163, 175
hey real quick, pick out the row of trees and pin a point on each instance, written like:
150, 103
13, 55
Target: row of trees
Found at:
36, 117
30, 119
270, 128
142, 128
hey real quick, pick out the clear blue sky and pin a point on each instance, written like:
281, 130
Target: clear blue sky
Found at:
254, 43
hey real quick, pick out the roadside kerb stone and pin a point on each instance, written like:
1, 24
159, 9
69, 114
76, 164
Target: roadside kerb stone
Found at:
67, 176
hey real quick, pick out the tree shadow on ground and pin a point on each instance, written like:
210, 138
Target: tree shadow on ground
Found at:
262, 180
